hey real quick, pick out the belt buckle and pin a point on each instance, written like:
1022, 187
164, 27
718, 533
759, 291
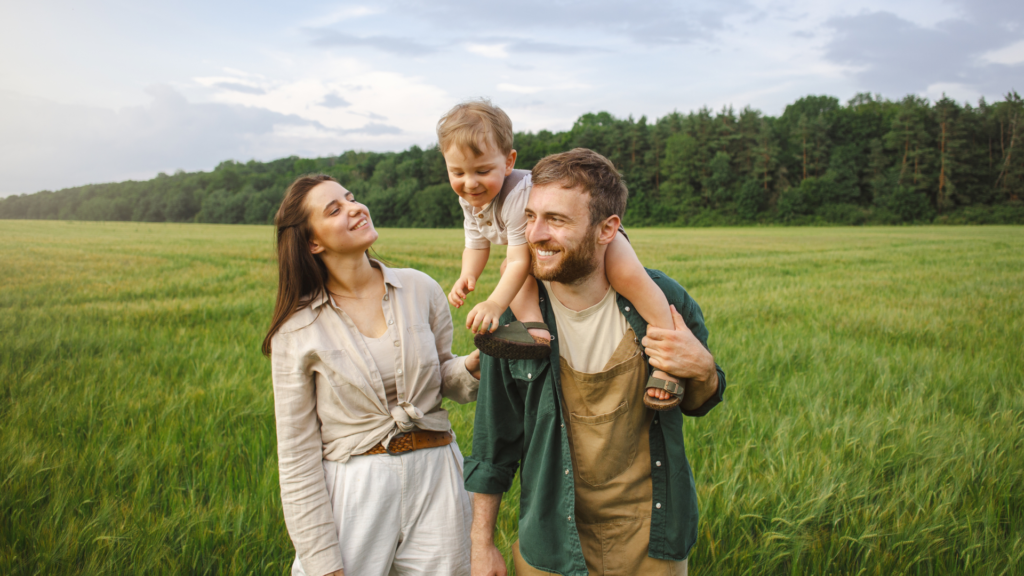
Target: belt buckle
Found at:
393, 438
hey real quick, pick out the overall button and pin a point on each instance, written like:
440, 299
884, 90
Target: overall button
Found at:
658, 505
627, 308
658, 463
528, 375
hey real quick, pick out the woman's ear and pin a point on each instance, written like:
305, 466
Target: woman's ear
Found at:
315, 247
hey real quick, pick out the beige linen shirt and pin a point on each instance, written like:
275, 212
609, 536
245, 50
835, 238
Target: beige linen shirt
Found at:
330, 403
483, 228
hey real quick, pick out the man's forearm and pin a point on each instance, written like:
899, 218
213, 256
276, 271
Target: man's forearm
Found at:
485, 558
699, 390
485, 517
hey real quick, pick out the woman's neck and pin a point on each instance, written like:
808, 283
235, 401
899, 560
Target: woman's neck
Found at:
352, 276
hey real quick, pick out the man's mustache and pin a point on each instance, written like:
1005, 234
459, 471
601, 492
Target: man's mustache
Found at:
546, 246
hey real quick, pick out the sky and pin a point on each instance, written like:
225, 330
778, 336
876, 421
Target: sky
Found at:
104, 91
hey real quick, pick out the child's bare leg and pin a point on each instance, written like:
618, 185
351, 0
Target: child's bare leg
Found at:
526, 305
627, 276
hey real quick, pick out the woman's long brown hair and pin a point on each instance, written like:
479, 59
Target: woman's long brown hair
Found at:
301, 276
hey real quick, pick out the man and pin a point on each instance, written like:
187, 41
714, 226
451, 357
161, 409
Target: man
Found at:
605, 484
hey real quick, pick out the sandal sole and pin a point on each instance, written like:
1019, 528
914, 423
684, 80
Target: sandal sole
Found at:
508, 350
661, 405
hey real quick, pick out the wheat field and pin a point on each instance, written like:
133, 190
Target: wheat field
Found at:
873, 424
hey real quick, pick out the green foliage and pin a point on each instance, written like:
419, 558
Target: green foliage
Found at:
874, 421
870, 161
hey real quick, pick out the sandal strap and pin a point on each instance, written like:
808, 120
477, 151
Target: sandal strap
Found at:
676, 388
535, 325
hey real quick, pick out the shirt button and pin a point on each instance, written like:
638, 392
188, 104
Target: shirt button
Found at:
655, 420
385, 296
528, 376
399, 372
658, 463
658, 505
627, 308
567, 472
479, 215
569, 518
396, 343
488, 222
390, 322
563, 424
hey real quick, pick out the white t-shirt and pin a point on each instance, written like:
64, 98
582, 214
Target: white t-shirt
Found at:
588, 338
483, 228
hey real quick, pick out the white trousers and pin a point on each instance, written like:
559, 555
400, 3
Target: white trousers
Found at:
401, 515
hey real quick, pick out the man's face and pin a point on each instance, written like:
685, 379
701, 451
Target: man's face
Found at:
563, 244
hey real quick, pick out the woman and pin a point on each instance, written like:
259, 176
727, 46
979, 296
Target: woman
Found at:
371, 476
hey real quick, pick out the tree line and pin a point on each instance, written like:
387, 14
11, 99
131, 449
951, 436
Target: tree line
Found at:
872, 160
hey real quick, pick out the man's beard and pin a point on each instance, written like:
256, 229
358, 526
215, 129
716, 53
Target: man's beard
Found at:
577, 262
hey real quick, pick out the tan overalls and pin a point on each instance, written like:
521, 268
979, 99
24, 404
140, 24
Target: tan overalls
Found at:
608, 428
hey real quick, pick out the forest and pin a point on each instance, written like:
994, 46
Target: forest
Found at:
870, 161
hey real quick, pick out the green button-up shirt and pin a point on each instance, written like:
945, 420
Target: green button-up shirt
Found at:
519, 421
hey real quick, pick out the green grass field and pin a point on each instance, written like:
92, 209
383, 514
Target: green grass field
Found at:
874, 421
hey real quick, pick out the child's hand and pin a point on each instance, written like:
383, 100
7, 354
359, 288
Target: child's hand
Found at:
463, 286
485, 316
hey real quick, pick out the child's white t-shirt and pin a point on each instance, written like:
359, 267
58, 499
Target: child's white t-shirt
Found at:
503, 220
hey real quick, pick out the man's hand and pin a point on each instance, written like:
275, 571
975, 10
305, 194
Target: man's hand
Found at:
486, 560
473, 364
679, 353
484, 317
463, 286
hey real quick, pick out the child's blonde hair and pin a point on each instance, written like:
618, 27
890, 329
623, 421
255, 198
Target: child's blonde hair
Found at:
468, 124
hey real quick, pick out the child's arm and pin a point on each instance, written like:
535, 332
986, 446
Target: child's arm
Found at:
473, 262
517, 267
627, 276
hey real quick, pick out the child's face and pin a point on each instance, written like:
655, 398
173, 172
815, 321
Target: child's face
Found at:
478, 179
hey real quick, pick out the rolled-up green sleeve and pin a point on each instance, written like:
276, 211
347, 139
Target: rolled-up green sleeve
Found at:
497, 431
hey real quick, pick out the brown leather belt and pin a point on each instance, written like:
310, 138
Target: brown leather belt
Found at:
415, 440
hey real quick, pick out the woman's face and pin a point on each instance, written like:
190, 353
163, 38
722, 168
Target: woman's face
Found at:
339, 224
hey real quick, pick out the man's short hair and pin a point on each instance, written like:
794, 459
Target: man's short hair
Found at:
471, 123
593, 173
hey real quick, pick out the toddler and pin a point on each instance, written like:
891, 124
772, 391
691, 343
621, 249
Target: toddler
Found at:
476, 140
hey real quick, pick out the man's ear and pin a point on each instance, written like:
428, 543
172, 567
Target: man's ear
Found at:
510, 162
609, 228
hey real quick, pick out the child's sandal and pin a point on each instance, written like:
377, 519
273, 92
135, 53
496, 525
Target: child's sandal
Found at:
513, 341
677, 389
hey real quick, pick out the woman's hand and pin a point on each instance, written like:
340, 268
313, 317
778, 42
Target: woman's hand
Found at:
473, 364
463, 286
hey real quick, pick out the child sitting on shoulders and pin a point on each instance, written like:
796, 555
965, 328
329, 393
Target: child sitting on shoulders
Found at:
476, 140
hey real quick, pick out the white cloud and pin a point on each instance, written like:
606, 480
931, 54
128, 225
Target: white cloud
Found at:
956, 91
1009, 55
518, 89
489, 50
